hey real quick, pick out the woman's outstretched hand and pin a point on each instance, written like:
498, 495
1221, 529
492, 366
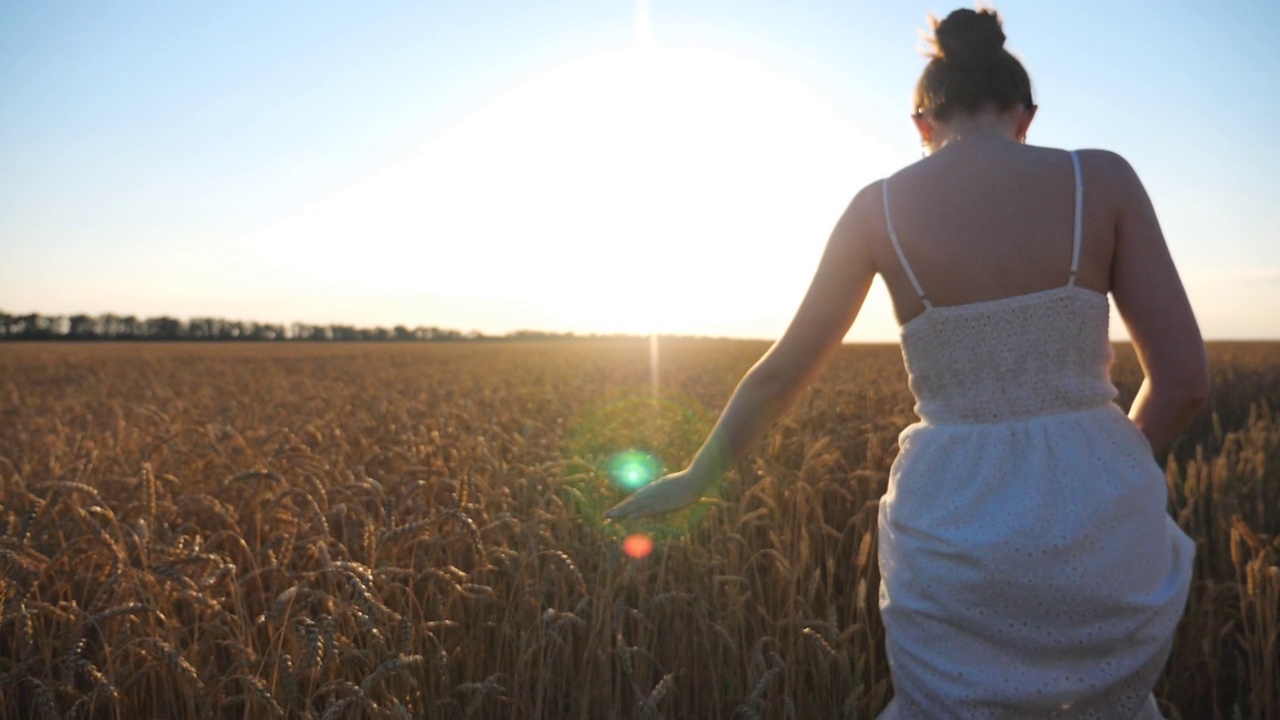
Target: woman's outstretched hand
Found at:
666, 494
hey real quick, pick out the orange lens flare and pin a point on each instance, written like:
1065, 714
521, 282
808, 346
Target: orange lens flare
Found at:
637, 546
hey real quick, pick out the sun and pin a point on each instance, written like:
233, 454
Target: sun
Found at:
678, 190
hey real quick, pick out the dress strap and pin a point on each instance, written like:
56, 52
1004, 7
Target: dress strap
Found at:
1079, 217
897, 247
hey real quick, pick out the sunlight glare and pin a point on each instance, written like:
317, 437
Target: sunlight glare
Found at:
653, 363
647, 190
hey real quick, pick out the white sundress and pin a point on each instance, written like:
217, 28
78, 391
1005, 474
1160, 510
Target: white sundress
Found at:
1030, 569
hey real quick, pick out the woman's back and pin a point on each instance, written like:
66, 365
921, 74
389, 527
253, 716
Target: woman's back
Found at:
984, 218
1036, 352
988, 219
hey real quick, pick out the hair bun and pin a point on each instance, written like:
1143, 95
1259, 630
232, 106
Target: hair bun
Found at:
967, 37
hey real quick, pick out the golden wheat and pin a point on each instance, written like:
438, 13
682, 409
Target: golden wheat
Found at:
368, 531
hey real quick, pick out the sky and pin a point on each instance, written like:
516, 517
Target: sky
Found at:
641, 166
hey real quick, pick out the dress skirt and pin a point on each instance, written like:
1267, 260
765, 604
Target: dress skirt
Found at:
1030, 569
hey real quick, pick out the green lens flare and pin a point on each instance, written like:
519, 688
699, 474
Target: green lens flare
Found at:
622, 442
632, 469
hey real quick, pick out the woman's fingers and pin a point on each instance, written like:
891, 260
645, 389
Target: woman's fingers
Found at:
621, 510
637, 505
662, 496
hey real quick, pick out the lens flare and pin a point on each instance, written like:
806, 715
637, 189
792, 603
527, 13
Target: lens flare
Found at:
625, 441
637, 546
632, 469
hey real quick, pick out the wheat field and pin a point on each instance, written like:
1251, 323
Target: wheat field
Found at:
392, 530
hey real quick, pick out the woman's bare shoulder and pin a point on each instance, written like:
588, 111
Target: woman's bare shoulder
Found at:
1112, 180
870, 199
865, 212
1107, 165
862, 224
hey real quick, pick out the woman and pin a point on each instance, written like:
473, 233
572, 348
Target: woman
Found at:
1029, 566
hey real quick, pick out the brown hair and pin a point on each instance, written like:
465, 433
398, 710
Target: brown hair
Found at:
969, 70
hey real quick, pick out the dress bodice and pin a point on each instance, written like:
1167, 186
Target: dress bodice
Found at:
1024, 356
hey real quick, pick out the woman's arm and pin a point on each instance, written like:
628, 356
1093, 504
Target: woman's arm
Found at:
774, 383
1155, 309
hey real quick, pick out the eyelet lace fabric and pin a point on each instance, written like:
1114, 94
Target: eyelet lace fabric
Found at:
1030, 569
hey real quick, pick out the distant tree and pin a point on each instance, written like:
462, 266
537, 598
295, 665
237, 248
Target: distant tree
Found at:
109, 325
164, 328
24, 326
230, 330
202, 328
320, 332
82, 327
403, 333
265, 331
128, 328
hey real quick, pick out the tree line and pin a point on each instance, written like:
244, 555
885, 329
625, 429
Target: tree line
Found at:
109, 326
